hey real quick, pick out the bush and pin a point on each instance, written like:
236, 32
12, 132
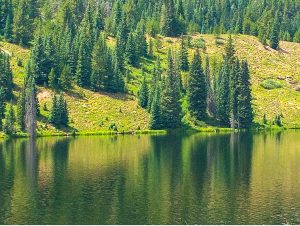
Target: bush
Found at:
270, 84
198, 43
219, 42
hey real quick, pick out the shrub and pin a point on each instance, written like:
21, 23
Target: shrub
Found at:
270, 84
19, 62
198, 43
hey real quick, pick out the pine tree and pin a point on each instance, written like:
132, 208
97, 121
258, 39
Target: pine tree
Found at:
183, 56
65, 79
197, 89
144, 92
63, 118
21, 109
140, 40
2, 106
155, 113
6, 81
171, 112
131, 55
8, 30
211, 105
234, 86
245, 111
54, 114
223, 109
274, 39
53, 79
22, 26
9, 122
168, 19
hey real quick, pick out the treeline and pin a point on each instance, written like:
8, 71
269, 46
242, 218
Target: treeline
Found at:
20, 19
225, 97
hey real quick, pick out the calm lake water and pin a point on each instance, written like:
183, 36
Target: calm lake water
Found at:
178, 179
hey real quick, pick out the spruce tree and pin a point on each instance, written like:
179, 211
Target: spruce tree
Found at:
168, 19
183, 56
197, 89
245, 111
171, 112
155, 113
223, 109
54, 114
2, 106
21, 109
144, 92
131, 55
9, 122
274, 39
65, 79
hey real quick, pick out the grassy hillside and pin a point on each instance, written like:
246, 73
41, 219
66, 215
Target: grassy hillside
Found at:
275, 78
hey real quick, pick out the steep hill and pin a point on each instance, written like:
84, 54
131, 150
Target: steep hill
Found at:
275, 78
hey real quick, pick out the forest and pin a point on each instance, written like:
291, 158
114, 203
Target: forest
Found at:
94, 44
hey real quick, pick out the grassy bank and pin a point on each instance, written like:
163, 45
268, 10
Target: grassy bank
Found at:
91, 111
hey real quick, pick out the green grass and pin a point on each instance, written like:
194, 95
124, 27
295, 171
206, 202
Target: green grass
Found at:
92, 112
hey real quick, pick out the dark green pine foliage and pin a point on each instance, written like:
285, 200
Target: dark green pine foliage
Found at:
54, 114
59, 115
144, 92
2, 106
274, 38
183, 56
180, 10
168, 19
62, 106
234, 86
131, 55
197, 89
22, 23
171, 112
245, 111
6, 81
65, 79
53, 79
83, 69
38, 62
140, 40
155, 113
9, 121
8, 30
21, 109
223, 106
102, 77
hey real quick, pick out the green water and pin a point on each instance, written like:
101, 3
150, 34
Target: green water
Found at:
178, 179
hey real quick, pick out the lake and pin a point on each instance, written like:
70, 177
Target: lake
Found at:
167, 179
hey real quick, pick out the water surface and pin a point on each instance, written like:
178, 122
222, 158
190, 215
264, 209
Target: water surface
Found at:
171, 179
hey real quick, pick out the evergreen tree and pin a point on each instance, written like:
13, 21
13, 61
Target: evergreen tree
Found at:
54, 114
197, 89
22, 26
155, 113
2, 106
63, 118
274, 39
140, 40
53, 79
168, 19
131, 55
183, 56
8, 30
6, 81
9, 122
223, 109
245, 111
171, 112
21, 109
144, 92
65, 79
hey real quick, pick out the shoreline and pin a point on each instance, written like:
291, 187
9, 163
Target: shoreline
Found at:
215, 130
